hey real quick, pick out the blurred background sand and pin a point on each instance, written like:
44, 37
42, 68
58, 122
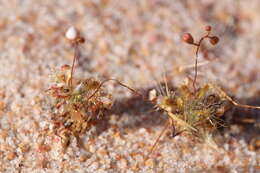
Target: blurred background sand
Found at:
136, 42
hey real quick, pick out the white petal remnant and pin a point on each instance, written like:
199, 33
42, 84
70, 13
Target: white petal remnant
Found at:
152, 95
71, 33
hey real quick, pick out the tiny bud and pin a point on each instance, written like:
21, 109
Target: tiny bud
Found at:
214, 40
208, 28
65, 67
81, 40
187, 37
71, 33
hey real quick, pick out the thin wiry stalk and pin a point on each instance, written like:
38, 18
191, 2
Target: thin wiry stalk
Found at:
76, 54
196, 59
234, 102
120, 83
157, 140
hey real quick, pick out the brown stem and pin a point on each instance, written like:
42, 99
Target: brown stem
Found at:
196, 59
157, 140
107, 80
234, 102
76, 54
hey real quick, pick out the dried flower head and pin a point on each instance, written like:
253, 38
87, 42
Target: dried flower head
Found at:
196, 114
77, 107
193, 112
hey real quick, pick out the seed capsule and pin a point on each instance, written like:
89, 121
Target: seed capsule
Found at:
208, 28
214, 40
187, 37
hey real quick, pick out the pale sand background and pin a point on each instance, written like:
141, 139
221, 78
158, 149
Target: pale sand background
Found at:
136, 42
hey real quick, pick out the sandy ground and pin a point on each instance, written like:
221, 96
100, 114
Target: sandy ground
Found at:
136, 42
